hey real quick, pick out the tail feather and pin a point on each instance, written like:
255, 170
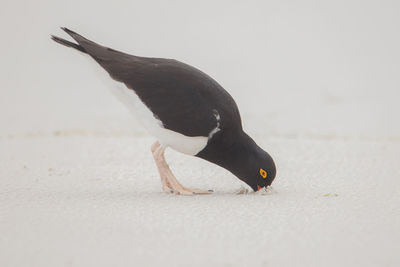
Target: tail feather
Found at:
68, 43
82, 44
77, 37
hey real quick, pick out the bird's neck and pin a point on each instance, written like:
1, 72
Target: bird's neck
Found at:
230, 152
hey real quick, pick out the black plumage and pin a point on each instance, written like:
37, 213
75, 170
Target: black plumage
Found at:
187, 101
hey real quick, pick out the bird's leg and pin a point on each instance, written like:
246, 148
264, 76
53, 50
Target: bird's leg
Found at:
168, 179
165, 172
164, 183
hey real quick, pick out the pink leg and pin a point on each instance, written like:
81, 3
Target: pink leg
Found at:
168, 180
164, 183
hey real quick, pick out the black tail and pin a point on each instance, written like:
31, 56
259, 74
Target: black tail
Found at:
68, 43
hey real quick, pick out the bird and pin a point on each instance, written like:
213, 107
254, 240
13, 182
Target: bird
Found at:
184, 109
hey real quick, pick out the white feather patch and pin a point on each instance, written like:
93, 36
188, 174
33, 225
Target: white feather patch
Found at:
216, 129
177, 141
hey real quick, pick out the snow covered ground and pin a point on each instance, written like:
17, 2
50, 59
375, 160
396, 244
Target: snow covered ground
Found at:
318, 87
95, 200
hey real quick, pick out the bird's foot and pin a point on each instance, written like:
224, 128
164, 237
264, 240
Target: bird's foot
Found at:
198, 191
167, 189
180, 190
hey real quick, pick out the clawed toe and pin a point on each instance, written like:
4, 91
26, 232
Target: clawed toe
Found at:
167, 190
188, 191
200, 192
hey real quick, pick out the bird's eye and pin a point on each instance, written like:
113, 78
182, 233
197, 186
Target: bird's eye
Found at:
263, 173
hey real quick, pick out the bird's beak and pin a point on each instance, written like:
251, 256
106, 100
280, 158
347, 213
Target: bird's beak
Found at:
258, 188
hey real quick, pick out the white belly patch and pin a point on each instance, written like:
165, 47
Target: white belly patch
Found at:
179, 142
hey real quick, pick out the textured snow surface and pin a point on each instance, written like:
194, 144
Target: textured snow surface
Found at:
317, 84
96, 201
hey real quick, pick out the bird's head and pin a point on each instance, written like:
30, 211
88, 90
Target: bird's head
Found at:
244, 158
251, 164
260, 170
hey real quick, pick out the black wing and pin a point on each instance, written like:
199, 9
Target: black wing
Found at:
185, 99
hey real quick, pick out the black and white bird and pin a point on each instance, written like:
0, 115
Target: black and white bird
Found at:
185, 109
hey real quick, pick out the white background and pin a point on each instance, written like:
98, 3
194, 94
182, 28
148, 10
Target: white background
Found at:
317, 83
